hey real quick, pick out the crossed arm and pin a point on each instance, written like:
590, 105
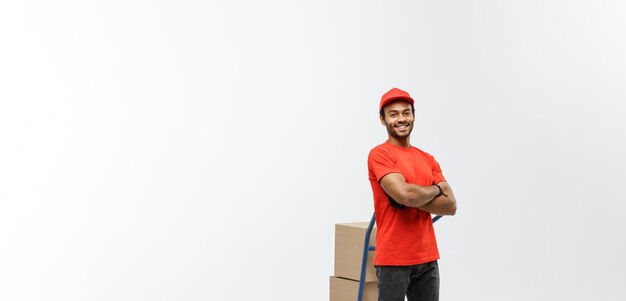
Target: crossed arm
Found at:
421, 197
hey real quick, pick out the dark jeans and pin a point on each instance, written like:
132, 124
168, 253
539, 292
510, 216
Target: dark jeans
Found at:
418, 282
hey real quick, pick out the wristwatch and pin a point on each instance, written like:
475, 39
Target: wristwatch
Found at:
440, 191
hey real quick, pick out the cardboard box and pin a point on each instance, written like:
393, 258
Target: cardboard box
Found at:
349, 240
342, 289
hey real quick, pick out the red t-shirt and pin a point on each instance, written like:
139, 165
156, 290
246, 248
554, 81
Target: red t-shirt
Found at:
404, 236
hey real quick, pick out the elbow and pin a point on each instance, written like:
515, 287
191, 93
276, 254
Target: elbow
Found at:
408, 198
404, 200
452, 209
398, 197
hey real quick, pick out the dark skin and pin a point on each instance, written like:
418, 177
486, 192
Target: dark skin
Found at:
398, 118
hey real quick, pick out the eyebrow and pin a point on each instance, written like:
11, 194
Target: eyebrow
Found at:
396, 111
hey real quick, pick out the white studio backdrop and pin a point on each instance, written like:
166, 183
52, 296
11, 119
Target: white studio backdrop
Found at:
191, 150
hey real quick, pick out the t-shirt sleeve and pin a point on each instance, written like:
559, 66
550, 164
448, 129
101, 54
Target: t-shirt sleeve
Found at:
380, 164
437, 173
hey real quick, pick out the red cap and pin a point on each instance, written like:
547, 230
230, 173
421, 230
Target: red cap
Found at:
394, 94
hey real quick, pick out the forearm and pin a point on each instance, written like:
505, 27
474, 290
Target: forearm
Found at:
442, 205
417, 196
409, 195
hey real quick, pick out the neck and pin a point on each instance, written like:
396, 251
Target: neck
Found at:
402, 142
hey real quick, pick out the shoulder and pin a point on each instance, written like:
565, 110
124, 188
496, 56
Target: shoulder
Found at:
430, 158
420, 151
381, 153
380, 149
423, 153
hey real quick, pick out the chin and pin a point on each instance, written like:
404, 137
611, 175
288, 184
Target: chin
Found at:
403, 135
398, 135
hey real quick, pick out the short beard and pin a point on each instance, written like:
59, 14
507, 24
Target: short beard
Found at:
393, 133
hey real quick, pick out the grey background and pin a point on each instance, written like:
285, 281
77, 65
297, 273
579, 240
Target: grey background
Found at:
190, 150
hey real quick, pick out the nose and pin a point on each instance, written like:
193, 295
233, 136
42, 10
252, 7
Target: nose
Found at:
401, 118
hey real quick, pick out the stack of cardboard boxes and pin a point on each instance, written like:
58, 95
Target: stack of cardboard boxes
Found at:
349, 241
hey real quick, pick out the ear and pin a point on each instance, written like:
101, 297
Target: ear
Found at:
382, 120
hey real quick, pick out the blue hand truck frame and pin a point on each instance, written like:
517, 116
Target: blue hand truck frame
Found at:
367, 248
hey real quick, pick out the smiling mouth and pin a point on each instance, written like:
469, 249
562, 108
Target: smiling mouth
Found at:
402, 127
